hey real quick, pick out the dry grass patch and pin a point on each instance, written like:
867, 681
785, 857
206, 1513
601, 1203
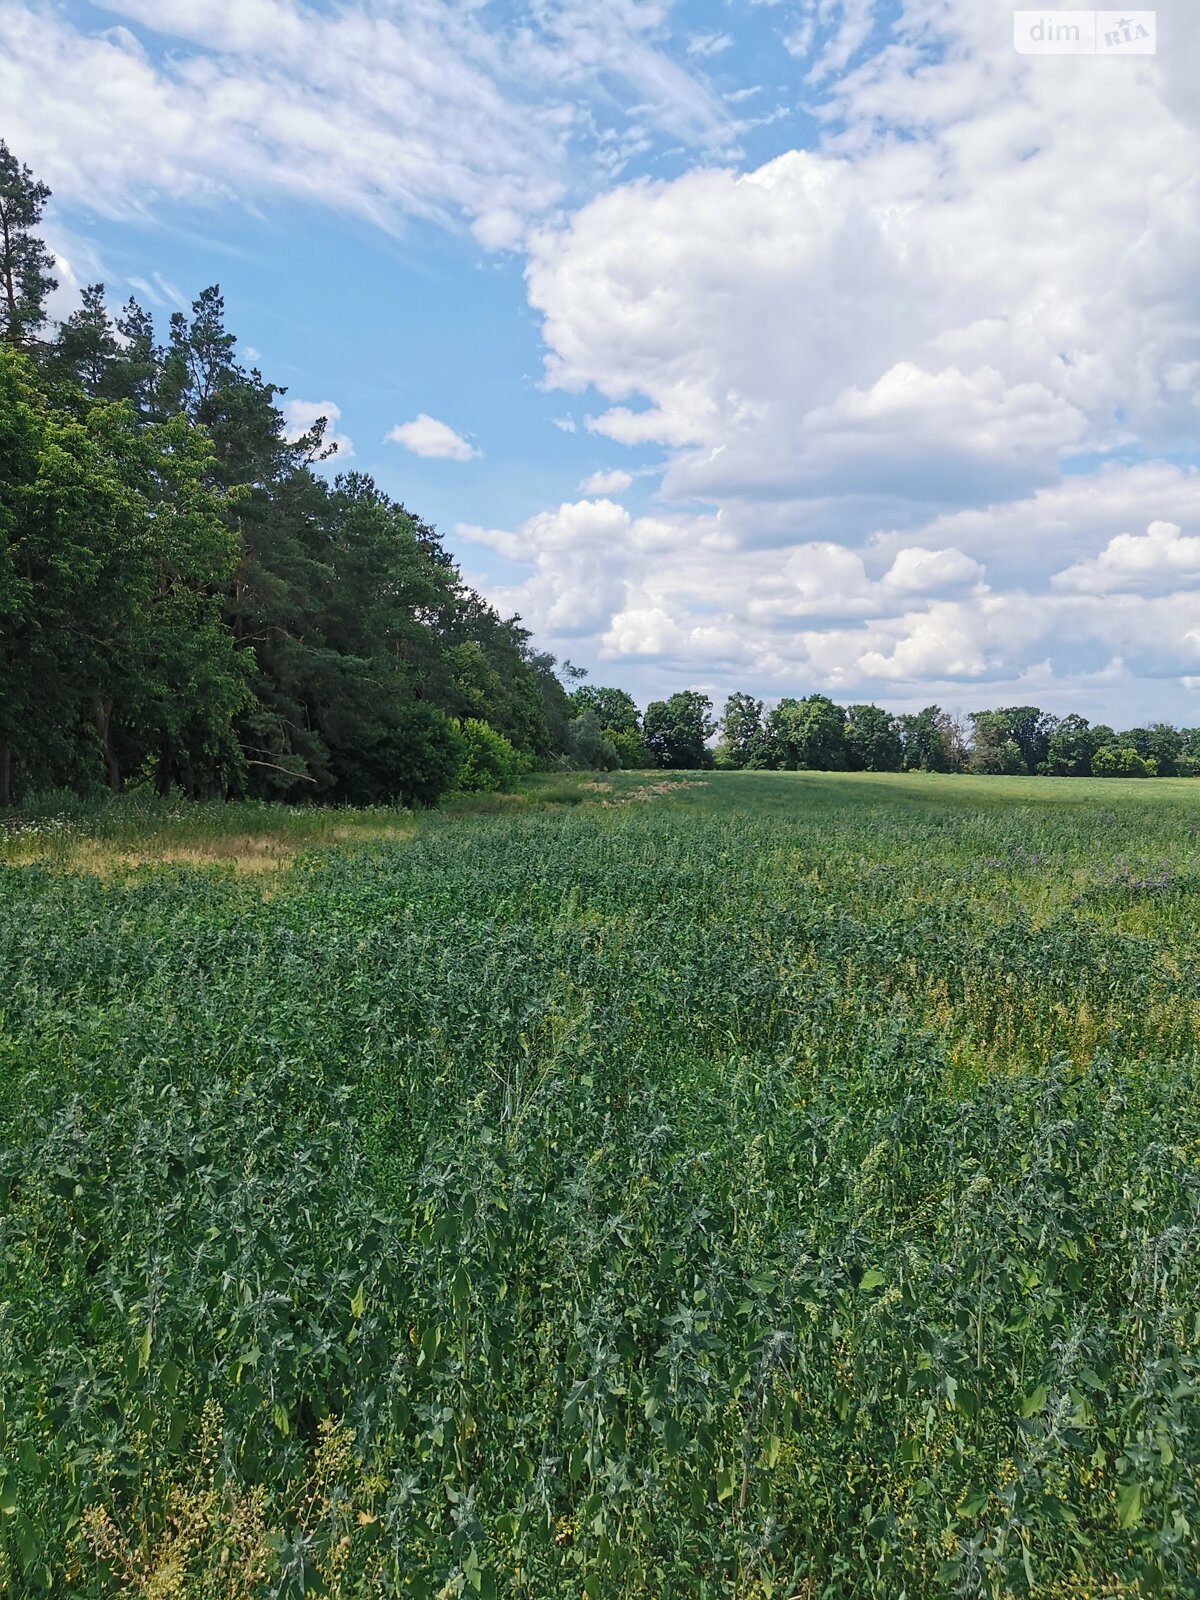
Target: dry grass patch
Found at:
246, 853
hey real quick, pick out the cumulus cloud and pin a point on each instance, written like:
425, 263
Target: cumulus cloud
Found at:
614, 482
1026, 541
921, 419
940, 432
301, 415
926, 311
919, 571
576, 552
1159, 558
685, 592
426, 436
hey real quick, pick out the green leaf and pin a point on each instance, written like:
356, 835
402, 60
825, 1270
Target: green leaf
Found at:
1129, 1504
471, 1570
28, 1543
1034, 1401
358, 1301
974, 1502
871, 1279
143, 1347
460, 1290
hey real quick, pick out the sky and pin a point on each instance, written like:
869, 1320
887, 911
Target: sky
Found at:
785, 346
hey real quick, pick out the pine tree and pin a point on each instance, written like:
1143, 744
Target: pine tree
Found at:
25, 279
87, 351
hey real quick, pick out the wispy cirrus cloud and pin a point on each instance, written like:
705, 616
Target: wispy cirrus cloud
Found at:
433, 110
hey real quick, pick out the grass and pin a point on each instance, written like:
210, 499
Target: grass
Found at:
754, 1185
139, 831
107, 837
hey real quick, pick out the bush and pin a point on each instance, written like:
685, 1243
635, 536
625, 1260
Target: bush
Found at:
414, 764
489, 761
588, 749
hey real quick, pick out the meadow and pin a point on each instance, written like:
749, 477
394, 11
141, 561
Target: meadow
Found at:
769, 1186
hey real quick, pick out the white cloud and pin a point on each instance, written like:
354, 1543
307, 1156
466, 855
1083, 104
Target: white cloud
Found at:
1160, 558
640, 427
301, 415
878, 370
882, 363
642, 631
435, 109
64, 299
615, 482
799, 41
576, 554
1028, 540
906, 623
928, 310
708, 44
426, 436
912, 424
920, 571
855, 19
160, 292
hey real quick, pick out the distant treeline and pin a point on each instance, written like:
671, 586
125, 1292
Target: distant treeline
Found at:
815, 734
185, 601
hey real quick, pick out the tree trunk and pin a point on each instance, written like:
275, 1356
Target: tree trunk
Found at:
102, 713
166, 772
5, 775
10, 287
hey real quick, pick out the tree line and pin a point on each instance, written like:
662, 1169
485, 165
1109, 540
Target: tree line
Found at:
185, 600
816, 734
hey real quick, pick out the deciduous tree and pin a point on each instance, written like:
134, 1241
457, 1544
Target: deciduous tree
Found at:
677, 730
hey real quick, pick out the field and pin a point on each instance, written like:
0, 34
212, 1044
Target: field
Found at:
741, 1185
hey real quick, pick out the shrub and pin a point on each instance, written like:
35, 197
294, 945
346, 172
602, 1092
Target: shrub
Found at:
489, 762
415, 763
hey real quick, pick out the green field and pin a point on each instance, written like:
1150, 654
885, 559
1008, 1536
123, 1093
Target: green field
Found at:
749, 1185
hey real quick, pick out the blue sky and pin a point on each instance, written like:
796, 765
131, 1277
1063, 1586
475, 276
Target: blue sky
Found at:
883, 340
